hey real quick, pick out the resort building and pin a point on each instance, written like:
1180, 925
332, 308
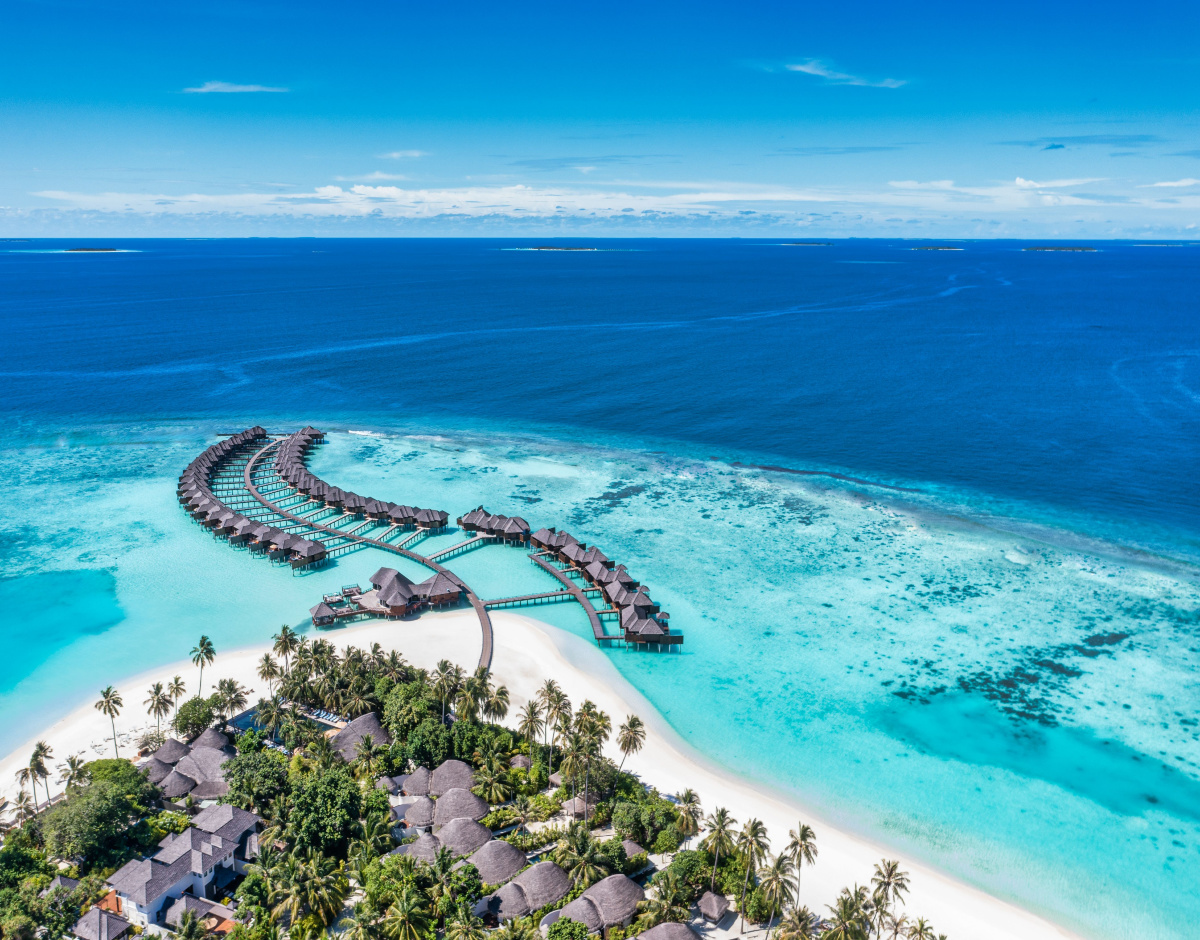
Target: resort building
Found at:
207, 855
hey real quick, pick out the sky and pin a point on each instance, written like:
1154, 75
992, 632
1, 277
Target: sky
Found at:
1045, 119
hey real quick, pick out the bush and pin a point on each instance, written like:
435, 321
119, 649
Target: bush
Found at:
407, 706
255, 778
566, 929
94, 824
250, 741
429, 743
757, 909
667, 841
18, 863
325, 808
693, 869
194, 716
614, 851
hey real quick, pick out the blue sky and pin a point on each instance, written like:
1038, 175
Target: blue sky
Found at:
934, 119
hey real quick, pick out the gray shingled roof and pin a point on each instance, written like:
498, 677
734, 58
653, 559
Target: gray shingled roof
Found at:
176, 785
157, 771
98, 924
228, 822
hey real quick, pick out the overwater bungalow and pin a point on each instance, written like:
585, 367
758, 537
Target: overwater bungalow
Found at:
439, 591
470, 522
542, 538
432, 519
395, 592
322, 615
402, 515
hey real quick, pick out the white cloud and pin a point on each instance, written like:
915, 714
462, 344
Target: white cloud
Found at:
821, 70
401, 154
377, 175
1175, 183
1055, 184
229, 88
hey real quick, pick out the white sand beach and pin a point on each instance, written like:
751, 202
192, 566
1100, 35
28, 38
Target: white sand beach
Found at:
527, 652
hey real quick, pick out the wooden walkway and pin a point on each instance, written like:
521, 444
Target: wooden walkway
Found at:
577, 592
485, 623
524, 600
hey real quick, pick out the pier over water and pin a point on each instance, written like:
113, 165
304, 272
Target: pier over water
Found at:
255, 490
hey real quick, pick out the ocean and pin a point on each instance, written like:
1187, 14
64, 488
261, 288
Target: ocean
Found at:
928, 519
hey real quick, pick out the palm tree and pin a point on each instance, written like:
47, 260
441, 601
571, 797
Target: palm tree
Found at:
191, 927
529, 722
849, 917
668, 903
27, 775
268, 671
286, 643
465, 926
752, 843
547, 695
444, 682
37, 765
110, 704
890, 884
690, 813
368, 758
158, 704
719, 840
775, 882
203, 653
176, 690
580, 857
269, 715
630, 738
72, 773
231, 696
517, 930
408, 917
495, 706
363, 924
492, 782
921, 930
802, 847
799, 924
522, 811
23, 807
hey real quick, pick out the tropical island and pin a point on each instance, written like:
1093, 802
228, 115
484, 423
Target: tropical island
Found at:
366, 797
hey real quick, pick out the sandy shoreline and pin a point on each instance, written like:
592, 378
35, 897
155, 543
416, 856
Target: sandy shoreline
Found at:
527, 652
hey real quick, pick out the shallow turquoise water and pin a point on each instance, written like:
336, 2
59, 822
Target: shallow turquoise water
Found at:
990, 693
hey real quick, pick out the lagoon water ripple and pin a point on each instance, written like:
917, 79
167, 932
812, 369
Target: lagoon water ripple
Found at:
990, 661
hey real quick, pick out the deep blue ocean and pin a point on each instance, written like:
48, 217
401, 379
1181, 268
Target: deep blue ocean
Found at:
940, 510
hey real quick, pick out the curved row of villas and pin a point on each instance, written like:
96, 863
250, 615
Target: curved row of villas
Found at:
289, 464
197, 496
642, 620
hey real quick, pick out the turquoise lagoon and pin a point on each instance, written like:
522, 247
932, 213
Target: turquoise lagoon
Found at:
978, 685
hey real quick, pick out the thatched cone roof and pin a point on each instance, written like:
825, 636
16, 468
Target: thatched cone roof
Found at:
533, 889
451, 775
498, 861
425, 849
520, 761
211, 738
176, 785
631, 848
416, 783
157, 771
463, 836
714, 906
172, 751
670, 931
608, 902
419, 812
458, 804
